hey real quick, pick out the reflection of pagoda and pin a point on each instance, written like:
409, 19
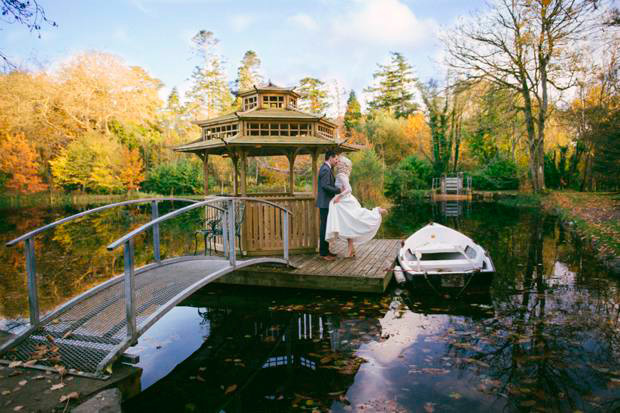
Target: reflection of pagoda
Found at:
273, 356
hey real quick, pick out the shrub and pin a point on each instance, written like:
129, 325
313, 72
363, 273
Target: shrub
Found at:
367, 177
177, 177
499, 174
407, 178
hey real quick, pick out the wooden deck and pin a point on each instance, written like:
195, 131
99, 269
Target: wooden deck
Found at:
369, 271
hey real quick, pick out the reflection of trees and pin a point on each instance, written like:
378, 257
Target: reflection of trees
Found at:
73, 258
547, 347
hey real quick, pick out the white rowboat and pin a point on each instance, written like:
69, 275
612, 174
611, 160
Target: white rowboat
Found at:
439, 250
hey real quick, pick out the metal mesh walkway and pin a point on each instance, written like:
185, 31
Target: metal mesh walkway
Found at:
88, 332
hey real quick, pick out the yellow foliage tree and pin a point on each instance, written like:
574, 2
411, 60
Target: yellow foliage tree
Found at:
19, 162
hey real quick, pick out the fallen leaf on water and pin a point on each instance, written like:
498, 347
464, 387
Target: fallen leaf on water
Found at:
6, 392
67, 334
23, 382
71, 396
309, 402
57, 386
50, 338
454, 395
230, 389
17, 408
39, 377
14, 364
429, 407
30, 363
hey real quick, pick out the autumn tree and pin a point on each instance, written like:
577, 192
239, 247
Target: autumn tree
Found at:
527, 46
394, 87
313, 95
131, 169
353, 114
209, 94
18, 163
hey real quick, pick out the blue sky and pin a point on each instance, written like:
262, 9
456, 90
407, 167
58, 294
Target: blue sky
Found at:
334, 40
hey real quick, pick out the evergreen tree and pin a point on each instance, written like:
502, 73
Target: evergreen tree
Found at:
174, 102
393, 90
313, 95
209, 95
248, 74
353, 114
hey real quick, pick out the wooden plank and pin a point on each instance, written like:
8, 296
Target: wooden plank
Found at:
368, 249
373, 267
378, 265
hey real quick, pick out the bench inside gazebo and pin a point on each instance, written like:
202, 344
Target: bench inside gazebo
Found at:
270, 124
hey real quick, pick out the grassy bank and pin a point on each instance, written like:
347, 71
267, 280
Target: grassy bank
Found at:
595, 215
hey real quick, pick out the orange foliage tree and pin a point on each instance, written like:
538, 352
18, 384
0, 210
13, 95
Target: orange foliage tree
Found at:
132, 169
19, 162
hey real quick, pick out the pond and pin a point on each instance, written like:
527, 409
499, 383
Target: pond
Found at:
544, 336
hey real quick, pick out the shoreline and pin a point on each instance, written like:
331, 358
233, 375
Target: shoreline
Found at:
593, 216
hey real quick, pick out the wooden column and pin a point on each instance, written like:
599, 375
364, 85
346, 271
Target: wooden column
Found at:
243, 171
315, 172
291, 172
205, 168
235, 159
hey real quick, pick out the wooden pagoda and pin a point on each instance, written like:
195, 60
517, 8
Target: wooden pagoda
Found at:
270, 124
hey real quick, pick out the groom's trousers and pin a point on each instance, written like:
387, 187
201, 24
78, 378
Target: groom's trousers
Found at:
323, 245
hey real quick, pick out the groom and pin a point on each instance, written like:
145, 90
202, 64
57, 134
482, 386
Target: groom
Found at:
326, 191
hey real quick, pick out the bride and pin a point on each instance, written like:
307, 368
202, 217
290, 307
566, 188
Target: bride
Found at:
347, 219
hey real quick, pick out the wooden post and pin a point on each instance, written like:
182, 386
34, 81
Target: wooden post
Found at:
243, 171
315, 191
291, 172
205, 168
315, 172
234, 159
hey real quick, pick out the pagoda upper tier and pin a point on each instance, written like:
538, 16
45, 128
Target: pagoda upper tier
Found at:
268, 124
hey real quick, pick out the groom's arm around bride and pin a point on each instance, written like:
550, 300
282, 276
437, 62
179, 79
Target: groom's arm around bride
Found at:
326, 191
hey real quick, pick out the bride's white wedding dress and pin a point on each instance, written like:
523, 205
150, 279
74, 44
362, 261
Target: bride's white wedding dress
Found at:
347, 219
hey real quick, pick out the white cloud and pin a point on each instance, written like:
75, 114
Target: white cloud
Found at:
305, 21
388, 23
241, 22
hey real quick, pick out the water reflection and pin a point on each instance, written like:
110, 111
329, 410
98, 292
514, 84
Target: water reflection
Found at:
72, 257
543, 336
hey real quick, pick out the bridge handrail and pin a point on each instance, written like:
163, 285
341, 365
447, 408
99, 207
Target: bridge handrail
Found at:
180, 211
90, 211
228, 241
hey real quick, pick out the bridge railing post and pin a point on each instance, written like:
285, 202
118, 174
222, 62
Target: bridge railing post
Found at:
31, 270
285, 235
130, 305
225, 234
231, 232
156, 244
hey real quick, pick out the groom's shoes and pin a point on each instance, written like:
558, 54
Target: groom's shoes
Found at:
333, 255
328, 257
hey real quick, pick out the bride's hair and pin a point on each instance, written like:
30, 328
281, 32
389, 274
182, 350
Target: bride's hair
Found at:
345, 165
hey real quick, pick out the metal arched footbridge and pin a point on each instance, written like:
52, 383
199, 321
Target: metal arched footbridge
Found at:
87, 334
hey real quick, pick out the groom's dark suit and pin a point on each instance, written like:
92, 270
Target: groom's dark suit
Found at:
326, 191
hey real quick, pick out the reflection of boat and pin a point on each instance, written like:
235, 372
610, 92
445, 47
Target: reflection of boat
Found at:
473, 302
436, 250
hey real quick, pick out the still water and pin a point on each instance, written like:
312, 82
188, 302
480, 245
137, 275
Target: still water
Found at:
544, 336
